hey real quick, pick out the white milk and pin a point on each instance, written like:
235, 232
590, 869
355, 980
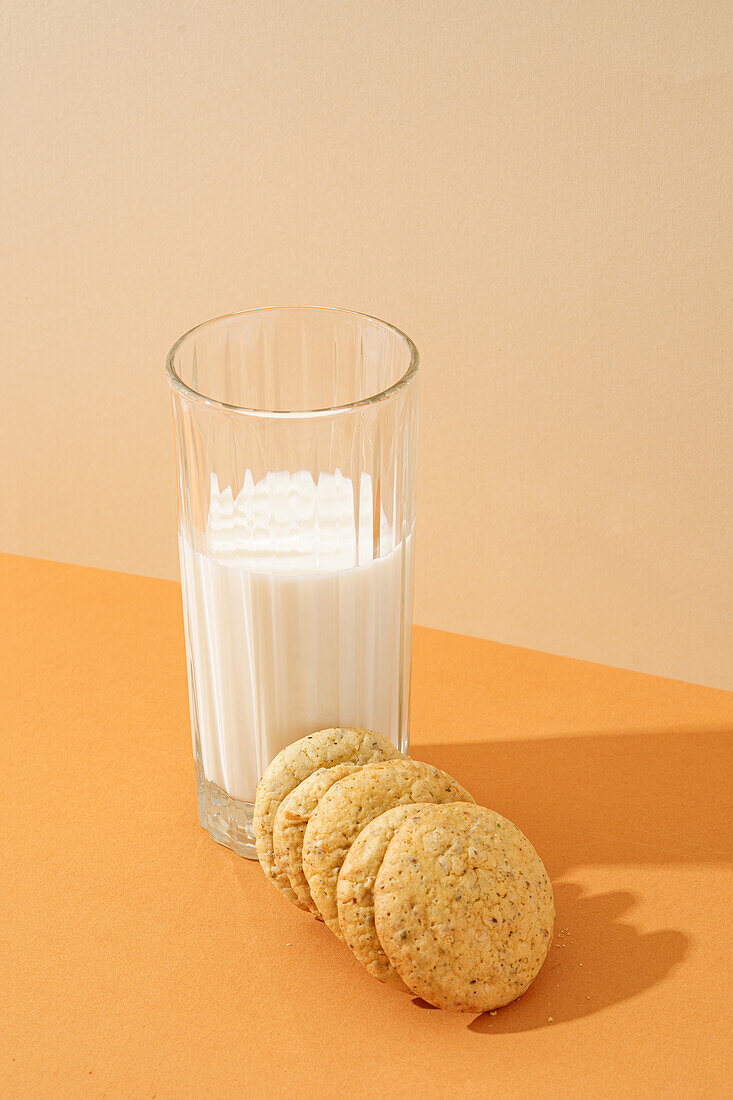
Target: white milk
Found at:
290, 625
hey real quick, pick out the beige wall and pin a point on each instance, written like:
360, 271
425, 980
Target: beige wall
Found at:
534, 191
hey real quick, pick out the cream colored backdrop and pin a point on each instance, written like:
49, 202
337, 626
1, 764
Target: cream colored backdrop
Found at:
535, 191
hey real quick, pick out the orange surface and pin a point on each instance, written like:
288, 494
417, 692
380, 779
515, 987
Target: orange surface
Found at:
140, 959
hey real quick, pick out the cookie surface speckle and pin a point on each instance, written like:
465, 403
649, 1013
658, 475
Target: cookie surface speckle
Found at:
293, 814
463, 907
349, 805
355, 892
340, 745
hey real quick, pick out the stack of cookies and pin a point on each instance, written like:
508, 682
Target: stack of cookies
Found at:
434, 894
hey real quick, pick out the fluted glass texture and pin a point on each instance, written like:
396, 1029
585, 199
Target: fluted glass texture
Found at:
296, 434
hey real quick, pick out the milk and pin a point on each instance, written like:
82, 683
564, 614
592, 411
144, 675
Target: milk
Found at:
292, 625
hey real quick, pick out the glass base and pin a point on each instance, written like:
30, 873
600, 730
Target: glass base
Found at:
225, 819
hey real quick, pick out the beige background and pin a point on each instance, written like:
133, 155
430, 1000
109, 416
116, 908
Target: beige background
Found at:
536, 192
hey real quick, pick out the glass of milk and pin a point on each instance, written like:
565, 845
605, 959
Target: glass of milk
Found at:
296, 433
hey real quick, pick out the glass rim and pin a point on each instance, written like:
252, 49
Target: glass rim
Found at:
177, 383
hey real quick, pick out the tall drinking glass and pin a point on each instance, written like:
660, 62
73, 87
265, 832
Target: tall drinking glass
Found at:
296, 432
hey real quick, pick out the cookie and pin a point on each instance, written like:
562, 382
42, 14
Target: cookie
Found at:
463, 907
355, 892
351, 804
294, 764
288, 829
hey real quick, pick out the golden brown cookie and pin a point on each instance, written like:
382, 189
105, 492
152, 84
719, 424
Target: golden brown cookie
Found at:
355, 892
351, 804
293, 814
463, 907
294, 764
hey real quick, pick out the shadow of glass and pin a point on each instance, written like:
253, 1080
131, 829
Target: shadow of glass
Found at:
593, 800
605, 798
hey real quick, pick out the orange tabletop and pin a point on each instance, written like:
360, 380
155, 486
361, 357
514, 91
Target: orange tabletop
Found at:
141, 959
